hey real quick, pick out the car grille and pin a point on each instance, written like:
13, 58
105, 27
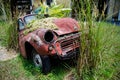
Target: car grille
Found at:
72, 40
70, 43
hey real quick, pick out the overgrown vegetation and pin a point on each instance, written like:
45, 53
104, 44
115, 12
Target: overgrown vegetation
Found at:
100, 47
8, 27
46, 23
20, 69
99, 51
100, 54
13, 35
4, 33
59, 11
8, 35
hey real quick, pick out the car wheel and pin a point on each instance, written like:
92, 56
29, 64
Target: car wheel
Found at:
41, 61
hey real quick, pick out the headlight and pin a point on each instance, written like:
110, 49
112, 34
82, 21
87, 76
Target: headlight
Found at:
49, 36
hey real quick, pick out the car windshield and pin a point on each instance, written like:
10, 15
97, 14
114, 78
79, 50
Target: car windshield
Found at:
29, 19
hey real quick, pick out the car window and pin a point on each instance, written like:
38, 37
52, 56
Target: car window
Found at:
29, 19
21, 25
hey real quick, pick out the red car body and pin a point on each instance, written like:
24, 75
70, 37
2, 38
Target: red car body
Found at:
62, 42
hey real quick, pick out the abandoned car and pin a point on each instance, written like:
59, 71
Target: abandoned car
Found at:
40, 39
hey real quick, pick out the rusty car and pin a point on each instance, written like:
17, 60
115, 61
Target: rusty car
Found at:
40, 39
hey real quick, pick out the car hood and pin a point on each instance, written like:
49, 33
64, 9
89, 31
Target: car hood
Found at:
66, 25
59, 25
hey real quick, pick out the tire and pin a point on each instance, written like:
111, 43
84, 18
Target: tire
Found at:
42, 62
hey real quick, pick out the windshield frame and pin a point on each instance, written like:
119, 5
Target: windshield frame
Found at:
20, 24
29, 21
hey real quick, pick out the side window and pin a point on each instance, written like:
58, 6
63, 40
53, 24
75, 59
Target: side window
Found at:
21, 24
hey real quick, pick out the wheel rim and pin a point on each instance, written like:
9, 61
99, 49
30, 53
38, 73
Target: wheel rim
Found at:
37, 60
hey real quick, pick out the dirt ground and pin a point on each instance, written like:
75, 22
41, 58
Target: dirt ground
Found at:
7, 54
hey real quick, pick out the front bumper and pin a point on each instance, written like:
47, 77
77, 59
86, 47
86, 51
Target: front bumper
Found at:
70, 54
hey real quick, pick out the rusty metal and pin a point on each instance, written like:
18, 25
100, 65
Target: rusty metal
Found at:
65, 40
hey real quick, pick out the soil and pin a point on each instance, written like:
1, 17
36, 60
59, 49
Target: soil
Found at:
7, 54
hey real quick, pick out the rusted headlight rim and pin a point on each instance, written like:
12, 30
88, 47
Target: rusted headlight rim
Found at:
48, 34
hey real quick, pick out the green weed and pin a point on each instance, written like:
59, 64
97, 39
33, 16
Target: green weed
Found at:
3, 33
21, 69
99, 52
9, 34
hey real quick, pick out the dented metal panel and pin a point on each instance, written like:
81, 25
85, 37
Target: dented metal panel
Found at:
50, 36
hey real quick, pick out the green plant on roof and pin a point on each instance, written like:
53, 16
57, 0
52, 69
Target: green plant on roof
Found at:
46, 23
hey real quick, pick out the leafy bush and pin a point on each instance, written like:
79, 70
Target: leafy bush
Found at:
59, 11
53, 11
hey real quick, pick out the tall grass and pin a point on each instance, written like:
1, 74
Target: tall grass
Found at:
99, 45
8, 27
9, 34
100, 53
13, 35
3, 33
20, 69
